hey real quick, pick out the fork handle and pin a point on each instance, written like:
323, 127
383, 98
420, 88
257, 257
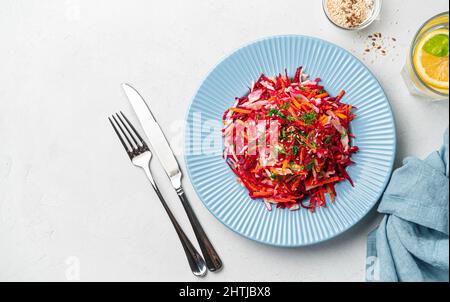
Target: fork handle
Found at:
194, 258
213, 261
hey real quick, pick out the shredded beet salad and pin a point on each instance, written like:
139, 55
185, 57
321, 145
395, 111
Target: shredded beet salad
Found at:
305, 156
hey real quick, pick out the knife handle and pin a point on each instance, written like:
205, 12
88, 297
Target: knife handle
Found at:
212, 259
194, 258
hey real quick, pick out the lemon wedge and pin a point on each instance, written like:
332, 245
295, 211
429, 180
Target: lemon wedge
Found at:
431, 59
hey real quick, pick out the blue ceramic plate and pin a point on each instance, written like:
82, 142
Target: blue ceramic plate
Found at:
374, 127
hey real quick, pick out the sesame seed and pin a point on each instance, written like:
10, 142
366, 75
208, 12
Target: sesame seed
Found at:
349, 13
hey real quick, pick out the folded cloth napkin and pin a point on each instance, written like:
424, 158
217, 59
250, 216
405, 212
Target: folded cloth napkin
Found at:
411, 244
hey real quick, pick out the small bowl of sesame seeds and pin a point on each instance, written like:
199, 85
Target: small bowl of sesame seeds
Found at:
352, 14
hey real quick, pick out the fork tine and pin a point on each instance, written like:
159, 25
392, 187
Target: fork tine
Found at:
119, 136
124, 134
134, 130
127, 128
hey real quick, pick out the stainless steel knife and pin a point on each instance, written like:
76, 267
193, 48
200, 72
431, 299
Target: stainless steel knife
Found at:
165, 155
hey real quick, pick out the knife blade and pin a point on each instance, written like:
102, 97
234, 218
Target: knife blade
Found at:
165, 155
153, 131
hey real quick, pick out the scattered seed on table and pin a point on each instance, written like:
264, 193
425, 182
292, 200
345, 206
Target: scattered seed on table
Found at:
379, 45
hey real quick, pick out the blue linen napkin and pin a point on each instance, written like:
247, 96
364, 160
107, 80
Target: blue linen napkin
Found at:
411, 244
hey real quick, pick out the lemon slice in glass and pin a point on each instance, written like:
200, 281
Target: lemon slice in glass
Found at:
431, 59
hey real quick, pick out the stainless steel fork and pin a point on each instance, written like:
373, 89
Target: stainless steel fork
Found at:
141, 156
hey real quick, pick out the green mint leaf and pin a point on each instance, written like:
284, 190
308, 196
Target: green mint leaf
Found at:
437, 45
